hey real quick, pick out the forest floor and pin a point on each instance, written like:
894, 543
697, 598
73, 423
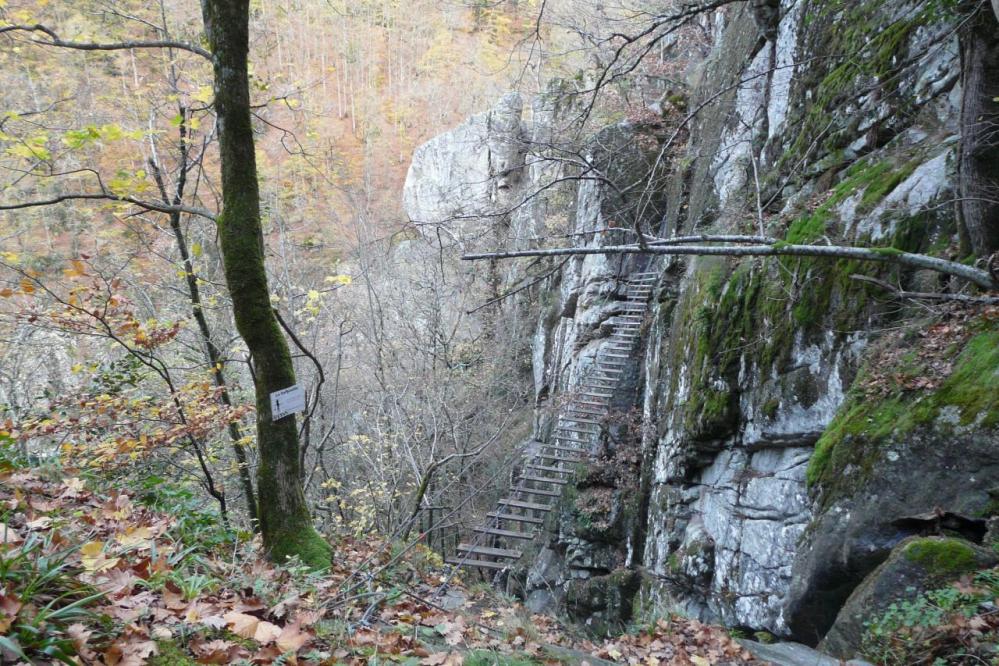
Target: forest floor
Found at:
97, 576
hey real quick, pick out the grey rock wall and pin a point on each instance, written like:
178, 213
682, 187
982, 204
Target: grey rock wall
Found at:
746, 363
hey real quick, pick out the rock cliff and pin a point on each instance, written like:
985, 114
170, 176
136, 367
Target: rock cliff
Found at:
788, 426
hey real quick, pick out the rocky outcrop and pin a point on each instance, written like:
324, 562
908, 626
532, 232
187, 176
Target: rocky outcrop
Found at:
768, 452
748, 370
462, 179
916, 565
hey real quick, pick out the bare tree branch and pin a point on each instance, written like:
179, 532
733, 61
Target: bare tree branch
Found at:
107, 196
926, 295
55, 40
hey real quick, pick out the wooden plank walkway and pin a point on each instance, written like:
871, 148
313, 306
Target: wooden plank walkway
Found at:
588, 407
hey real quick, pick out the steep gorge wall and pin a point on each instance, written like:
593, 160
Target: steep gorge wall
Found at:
748, 476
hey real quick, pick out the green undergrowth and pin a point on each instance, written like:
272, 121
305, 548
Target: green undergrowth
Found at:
948, 625
171, 654
864, 425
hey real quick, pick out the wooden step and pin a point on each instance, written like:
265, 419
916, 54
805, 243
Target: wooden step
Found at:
482, 564
543, 479
599, 387
556, 447
580, 444
545, 468
565, 459
577, 430
578, 415
575, 421
535, 491
489, 552
584, 443
514, 517
608, 354
509, 534
530, 506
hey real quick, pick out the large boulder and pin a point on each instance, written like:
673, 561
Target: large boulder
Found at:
905, 462
916, 565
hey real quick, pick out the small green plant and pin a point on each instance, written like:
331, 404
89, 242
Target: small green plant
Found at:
938, 626
43, 597
196, 524
192, 584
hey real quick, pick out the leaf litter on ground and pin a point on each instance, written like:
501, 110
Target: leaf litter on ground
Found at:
150, 589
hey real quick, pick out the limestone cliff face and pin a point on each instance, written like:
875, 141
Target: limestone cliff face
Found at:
748, 475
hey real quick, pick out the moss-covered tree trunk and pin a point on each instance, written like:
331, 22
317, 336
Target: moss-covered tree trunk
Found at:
285, 522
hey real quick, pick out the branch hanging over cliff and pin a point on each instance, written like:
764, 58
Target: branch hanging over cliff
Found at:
889, 255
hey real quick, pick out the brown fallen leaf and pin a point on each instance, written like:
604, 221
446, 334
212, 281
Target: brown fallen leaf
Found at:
292, 638
8, 536
266, 632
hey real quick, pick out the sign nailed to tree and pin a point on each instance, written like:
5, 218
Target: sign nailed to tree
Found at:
287, 401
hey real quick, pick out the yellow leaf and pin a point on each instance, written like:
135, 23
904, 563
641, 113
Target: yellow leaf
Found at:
204, 95
196, 249
138, 537
6, 293
93, 558
27, 286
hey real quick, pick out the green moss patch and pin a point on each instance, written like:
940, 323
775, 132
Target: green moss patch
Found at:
941, 555
171, 654
865, 424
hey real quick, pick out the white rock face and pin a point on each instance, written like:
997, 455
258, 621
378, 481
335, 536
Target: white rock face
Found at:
467, 174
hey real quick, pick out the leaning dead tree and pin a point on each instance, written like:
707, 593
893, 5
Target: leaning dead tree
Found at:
986, 279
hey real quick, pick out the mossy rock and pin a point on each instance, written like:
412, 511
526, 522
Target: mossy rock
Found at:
603, 604
914, 566
854, 444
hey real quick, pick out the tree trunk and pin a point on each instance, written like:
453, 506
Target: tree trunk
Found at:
285, 522
978, 166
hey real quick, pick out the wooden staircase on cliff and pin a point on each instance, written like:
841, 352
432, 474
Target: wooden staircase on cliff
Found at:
543, 476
